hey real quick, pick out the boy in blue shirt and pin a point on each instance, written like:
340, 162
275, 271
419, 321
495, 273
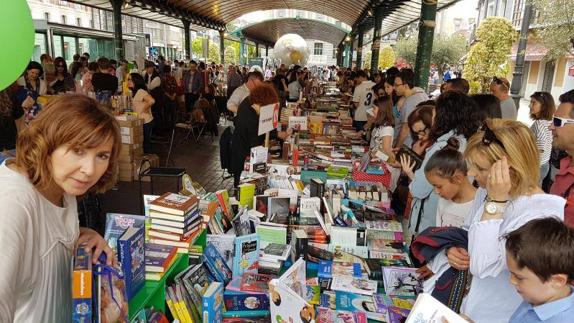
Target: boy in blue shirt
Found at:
540, 258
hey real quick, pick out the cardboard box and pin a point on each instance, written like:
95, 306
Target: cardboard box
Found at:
130, 152
129, 121
136, 139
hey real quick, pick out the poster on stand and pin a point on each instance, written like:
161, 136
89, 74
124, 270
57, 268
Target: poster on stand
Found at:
268, 118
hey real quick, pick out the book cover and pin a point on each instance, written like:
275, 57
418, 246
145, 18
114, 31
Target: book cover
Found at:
111, 300
383, 300
225, 244
241, 222
361, 303
299, 243
428, 309
400, 281
216, 264
237, 300
276, 252
173, 203
354, 285
328, 269
317, 188
253, 282
213, 303
82, 287
246, 254
223, 199
308, 205
158, 258
132, 258
271, 234
246, 194
313, 294
261, 203
279, 210
327, 315
117, 224
286, 305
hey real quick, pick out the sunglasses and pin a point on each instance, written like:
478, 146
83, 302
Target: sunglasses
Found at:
561, 122
489, 136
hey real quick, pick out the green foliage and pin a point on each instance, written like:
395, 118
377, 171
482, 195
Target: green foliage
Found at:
196, 46
230, 57
555, 26
214, 53
445, 50
213, 50
406, 48
488, 57
236, 46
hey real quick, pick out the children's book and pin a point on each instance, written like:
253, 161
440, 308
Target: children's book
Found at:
225, 244
361, 303
132, 258
117, 224
327, 315
82, 286
238, 300
111, 303
428, 309
400, 281
276, 252
216, 264
223, 199
213, 303
252, 282
287, 296
354, 285
173, 203
246, 254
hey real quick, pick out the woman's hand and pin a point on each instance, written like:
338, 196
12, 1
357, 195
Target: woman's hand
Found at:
93, 242
498, 184
407, 166
424, 272
419, 147
458, 258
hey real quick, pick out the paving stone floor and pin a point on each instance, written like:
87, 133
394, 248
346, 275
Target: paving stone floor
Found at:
201, 161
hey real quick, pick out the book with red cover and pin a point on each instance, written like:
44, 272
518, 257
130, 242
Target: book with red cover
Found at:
173, 203
255, 282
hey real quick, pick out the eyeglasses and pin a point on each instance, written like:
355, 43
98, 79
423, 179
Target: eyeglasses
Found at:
489, 136
559, 122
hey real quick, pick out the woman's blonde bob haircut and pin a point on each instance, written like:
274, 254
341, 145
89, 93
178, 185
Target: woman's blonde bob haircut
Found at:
519, 148
74, 120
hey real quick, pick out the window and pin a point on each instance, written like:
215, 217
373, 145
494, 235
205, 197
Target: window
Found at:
63, 19
318, 50
47, 16
79, 22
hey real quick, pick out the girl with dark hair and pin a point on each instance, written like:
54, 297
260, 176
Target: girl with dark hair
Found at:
398, 101
141, 104
453, 118
64, 81
488, 106
542, 110
382, 128
32, 86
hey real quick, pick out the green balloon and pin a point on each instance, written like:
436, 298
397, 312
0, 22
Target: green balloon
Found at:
17, 37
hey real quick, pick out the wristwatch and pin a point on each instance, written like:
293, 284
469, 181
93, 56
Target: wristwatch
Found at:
492, 207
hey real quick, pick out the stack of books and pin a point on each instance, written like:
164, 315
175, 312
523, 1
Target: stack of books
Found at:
175, 220
158, 259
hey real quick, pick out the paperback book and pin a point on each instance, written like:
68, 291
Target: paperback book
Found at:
246, 254
401, 281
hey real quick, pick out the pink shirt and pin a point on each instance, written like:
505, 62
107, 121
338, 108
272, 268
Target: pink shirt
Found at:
564, 186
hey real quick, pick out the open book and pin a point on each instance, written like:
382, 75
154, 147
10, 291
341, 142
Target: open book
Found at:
287, 296
428, 309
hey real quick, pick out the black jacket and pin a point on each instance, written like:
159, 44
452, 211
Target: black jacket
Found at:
245, 135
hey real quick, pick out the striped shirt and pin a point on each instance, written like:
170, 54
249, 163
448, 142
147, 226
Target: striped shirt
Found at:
543, 135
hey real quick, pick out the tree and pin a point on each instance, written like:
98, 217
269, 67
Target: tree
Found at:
445, 50
406, 48
196, 47
386, 58
555, 26
236, 47
230, 57
488, 57
214, 53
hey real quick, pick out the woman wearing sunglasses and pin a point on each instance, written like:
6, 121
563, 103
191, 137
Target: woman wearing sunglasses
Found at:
541, 111
504, 160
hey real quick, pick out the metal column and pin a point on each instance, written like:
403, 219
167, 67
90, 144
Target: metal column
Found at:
256, 50
186, 33
360, 49
348, 49
376, 46
242, 51
424, 47
520, 52
351, 50
266, 50
222, 46
118, 39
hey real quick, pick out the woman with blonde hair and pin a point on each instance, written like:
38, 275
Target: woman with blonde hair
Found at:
503, 159
70, 149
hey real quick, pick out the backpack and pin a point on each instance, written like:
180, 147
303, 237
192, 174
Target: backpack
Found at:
225, 142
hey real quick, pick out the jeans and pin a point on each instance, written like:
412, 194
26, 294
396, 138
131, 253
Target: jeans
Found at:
147, 129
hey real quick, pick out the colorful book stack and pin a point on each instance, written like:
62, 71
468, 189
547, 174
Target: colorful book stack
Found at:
158, 259
175, 220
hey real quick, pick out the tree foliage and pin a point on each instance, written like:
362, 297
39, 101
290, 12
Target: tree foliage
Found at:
445, 50
488, 57
386, 58
230, 57
212, 52
555, 26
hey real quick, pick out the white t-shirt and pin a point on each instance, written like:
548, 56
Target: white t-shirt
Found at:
237, 97
364, 97
451, 214
37, 239
295, 89
378, 134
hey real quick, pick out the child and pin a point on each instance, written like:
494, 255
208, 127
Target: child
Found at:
141, 104
70, 149
539, 257
446, 172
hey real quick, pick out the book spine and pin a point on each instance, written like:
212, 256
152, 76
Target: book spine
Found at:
170, 305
